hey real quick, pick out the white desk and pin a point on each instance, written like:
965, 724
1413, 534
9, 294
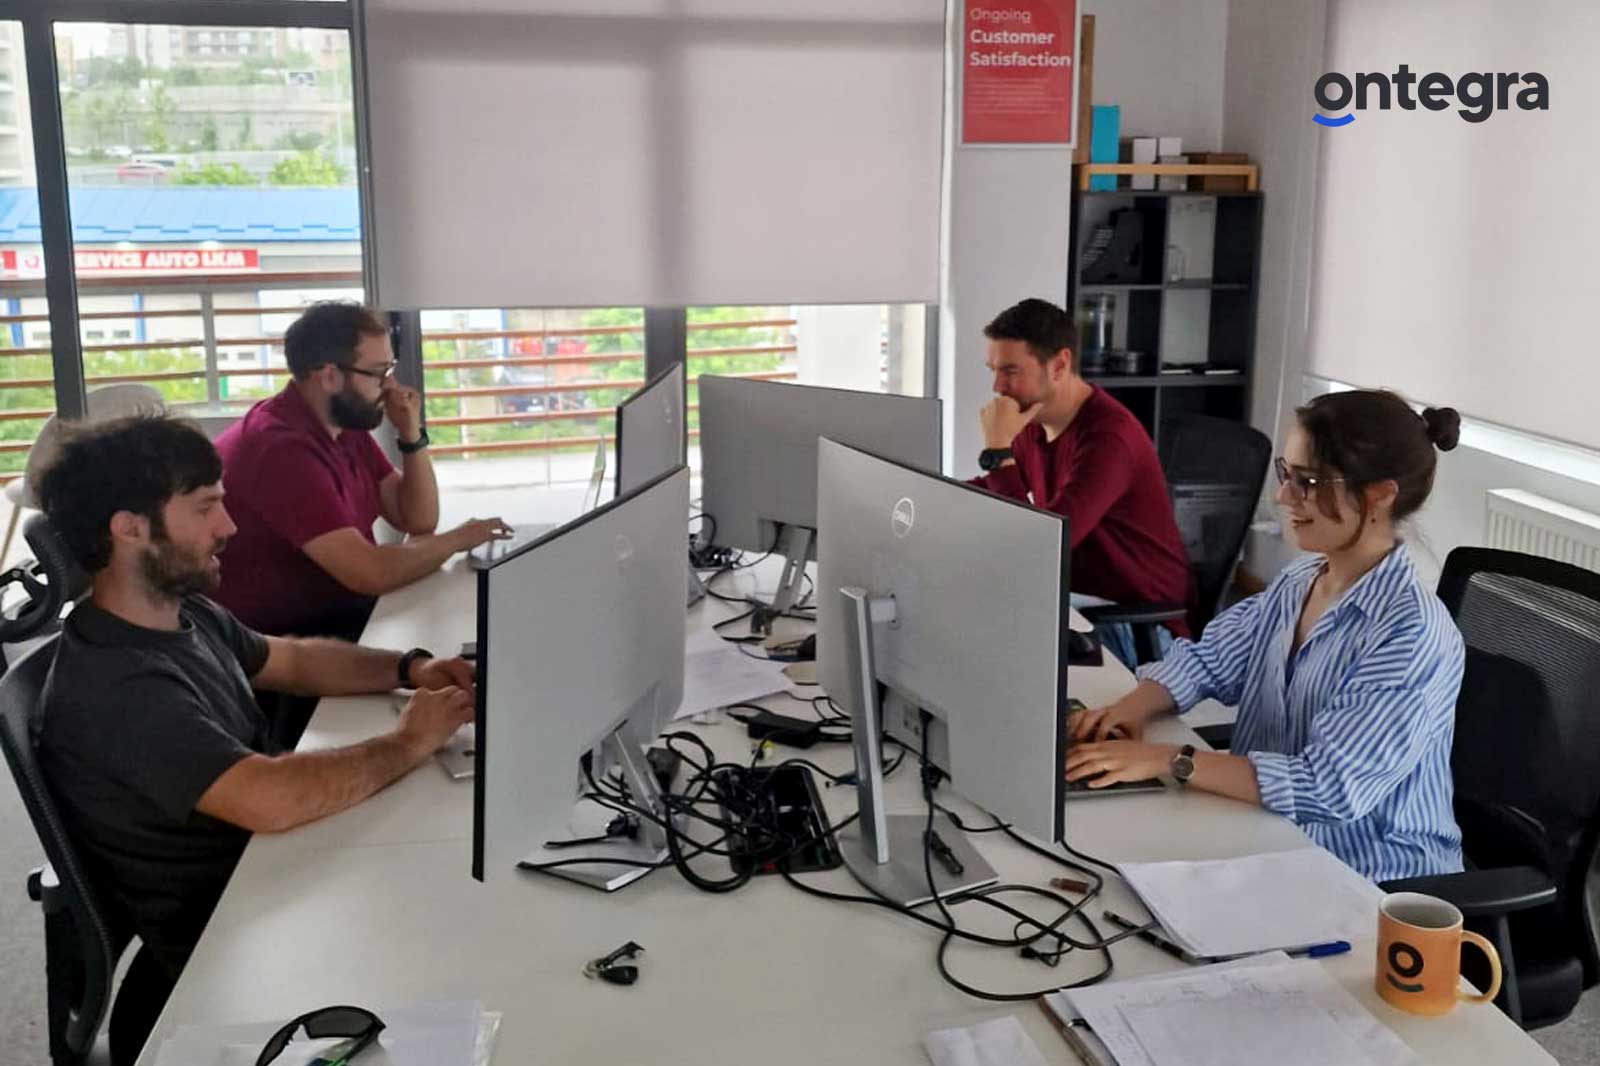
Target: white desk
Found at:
375, 906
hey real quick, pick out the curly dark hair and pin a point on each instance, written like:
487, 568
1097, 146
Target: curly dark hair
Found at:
328, 332
130, 464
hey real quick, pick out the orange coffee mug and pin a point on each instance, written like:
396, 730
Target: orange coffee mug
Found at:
1419, 954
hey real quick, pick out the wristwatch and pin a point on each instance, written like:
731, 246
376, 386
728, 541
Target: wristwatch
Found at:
406, 662
991, 458
408, 447
1183, 764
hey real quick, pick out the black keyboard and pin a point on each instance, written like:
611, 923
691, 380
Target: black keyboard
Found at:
1149, 784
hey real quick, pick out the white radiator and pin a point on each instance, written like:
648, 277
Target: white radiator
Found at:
1523, 522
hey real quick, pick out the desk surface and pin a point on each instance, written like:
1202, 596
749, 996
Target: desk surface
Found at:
375, 906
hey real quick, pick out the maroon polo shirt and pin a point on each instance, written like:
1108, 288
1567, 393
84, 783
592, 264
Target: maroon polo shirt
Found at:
289, 481
1102, 474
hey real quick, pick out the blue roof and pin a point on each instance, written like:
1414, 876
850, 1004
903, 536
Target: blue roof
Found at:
183, 214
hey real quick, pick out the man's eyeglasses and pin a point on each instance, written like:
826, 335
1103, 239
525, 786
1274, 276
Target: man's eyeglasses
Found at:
361, 1027
1300, 485
379, 373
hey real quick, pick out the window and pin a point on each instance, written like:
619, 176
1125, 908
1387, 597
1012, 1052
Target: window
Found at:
527, 395
27, 377
867, 347
255, 214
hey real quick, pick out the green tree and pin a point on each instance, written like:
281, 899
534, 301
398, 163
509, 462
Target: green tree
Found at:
300, 141
210, 140
158, 118
213, 174
247, 137
307, 168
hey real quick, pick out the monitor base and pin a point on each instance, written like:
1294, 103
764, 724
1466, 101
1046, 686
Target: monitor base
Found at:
904, 878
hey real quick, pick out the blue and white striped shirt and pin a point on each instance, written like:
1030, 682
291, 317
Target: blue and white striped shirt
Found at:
1350, 736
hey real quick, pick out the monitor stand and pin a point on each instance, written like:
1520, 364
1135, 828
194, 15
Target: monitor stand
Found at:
795, 544
885, 851
590, 819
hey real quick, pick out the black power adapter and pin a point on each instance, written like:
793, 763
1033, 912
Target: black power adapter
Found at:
781, 729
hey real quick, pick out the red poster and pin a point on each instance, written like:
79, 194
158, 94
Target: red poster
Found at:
30, 264
1018, 71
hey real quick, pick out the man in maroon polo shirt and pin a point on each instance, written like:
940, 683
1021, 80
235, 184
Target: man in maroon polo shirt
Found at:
305, 482
1062, 444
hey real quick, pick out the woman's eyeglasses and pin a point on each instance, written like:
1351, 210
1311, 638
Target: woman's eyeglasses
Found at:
361, 1027
1300, 484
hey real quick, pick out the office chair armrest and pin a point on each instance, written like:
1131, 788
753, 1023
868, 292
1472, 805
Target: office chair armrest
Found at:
1484, 893
1135, 613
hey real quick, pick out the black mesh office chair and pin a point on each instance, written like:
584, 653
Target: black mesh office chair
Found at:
1526, 765
81, 945
1214, 469
50, 580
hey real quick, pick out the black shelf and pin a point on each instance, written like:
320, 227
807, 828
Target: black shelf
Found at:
1228, 193
1209, 319
1196, 286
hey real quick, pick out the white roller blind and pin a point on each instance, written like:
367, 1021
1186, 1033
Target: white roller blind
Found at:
1460, 261
566, 153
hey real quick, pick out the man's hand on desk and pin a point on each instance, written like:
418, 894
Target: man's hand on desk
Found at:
476, 531
1110, 761
433, 716
443, 673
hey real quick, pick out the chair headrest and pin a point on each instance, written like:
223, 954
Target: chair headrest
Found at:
59, 566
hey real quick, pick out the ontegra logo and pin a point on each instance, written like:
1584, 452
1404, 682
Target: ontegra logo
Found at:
1478, 93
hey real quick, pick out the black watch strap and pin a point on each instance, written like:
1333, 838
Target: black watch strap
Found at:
991, 458
406, 660
408, 447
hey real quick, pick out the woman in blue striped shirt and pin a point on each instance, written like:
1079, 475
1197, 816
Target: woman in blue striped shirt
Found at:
1345, 670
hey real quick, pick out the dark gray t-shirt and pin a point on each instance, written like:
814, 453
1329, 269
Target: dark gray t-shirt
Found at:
137, 724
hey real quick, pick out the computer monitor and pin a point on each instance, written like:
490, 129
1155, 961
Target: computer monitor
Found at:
650, 436
956, 600
758, 458
580, 650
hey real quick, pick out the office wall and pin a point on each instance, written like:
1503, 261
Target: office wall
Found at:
1007, 210
1455, 258
1274, 54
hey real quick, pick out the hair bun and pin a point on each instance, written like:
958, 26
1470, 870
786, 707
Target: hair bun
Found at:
1444, 427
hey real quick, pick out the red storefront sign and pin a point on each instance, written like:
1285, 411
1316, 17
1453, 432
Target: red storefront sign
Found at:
1018, 71
30, 264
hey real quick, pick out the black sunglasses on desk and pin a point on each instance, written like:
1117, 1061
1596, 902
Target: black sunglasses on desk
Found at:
354, 1023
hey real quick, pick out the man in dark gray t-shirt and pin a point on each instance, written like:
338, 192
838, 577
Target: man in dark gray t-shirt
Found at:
127, 782
149, 737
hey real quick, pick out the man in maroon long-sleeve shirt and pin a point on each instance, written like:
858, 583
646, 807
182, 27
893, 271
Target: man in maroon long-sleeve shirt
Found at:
1060, 443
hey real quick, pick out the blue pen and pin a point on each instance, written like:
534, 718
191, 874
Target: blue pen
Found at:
1322, 951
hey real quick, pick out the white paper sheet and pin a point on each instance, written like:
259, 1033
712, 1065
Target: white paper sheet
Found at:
1286, 899
424, 1034
997, 1042
717, 676
1289, 997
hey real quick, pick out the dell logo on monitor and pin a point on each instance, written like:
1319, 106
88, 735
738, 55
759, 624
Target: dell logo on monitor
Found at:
904, 516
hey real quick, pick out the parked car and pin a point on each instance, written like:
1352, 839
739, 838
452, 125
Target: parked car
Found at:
137, 173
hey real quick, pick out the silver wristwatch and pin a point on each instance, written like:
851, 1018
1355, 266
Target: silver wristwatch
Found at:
1183, 764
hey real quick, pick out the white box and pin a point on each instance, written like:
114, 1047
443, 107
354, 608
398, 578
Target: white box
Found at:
1170, 150
1144, 151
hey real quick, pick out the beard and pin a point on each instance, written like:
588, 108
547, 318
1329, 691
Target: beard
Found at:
175, 572
350, 411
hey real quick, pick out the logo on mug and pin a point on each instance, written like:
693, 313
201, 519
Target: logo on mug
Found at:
1405, 961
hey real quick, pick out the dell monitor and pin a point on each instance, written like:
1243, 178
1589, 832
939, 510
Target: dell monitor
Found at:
580, 651
956, 600
758, 458
650, 435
